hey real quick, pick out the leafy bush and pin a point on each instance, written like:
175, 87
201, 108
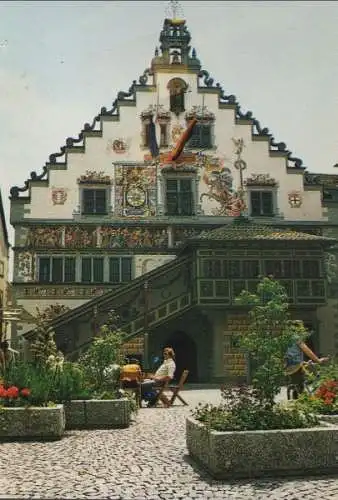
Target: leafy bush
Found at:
70, 383
270, 333
41, 382
101, 363
243, 411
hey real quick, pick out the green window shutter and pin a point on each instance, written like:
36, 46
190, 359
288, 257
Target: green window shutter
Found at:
88, 201
255, 198
205, 136
44, 269
267, 203
200, 137
126, 269
185, 197
114, 270
69, 269
100, 201
98, 269
57, 269
172, 197
86, 265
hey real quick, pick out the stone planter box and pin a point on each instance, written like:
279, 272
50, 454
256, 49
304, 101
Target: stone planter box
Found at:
331, 419
249, 454
97, 413
32, 423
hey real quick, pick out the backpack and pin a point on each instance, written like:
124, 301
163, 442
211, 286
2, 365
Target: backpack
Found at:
130, 372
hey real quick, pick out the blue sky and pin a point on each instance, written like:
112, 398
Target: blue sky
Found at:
60, 62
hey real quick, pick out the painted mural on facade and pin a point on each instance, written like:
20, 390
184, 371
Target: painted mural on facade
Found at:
135, 191
122, 237
76, 237
45, 237
80, 237
25, 266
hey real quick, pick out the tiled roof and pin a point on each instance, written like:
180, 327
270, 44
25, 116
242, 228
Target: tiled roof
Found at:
248, 231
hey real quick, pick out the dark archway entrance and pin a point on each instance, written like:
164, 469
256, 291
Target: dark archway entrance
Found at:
186, 354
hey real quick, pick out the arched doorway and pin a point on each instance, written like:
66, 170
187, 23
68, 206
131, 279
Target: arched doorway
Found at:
186, 354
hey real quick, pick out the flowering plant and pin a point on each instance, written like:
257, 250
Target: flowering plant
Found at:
13, 396
327, 393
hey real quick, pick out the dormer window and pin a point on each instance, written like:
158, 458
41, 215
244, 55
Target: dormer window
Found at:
161, 118
262, 194
202, 133
177, 88
94, 193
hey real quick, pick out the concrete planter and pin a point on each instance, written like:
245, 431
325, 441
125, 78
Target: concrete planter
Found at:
32, 423
97, 413
248, 454
331, 419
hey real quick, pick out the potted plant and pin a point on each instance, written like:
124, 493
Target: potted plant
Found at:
250, 434
27, 409
323, 398
103, 406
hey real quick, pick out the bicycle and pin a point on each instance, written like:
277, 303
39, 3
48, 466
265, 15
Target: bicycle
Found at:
306, 378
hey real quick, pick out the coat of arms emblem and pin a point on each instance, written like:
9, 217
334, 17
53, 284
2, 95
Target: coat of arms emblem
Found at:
59, 196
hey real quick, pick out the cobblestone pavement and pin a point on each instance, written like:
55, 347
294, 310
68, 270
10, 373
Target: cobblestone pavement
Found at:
146, 461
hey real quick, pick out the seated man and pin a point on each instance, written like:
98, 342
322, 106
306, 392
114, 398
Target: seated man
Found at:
165, 373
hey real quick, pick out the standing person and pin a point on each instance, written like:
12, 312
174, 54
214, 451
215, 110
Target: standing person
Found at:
165, 373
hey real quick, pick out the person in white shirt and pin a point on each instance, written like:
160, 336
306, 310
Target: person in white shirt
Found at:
165, 373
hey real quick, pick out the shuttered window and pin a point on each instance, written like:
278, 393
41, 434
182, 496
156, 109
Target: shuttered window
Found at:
261, 203
94, 201
179, 197
92, 270
201, 136
56, 269
120, 269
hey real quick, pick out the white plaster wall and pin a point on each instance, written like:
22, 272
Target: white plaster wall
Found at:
100, 158
145, 263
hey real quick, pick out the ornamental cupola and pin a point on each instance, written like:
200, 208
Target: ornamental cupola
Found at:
175, 51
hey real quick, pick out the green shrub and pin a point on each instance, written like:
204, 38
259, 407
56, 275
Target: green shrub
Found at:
70, 383
101, 363
270, 332
40, 381
243, 411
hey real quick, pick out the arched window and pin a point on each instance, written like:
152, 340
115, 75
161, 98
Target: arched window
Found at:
177, 88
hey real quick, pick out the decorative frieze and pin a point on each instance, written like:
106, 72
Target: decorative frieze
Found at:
93, 177
85, 237
71, 292
201, 113
25, 266
260, 180
80, 237
44, 237
123, 237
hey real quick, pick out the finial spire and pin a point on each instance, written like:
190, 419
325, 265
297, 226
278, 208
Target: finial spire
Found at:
174, 10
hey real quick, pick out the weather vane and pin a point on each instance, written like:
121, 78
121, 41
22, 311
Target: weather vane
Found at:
174, 10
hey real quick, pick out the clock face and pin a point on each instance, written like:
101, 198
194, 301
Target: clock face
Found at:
136, 196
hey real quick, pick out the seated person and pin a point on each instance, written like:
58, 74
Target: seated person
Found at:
165, 373
131, 374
